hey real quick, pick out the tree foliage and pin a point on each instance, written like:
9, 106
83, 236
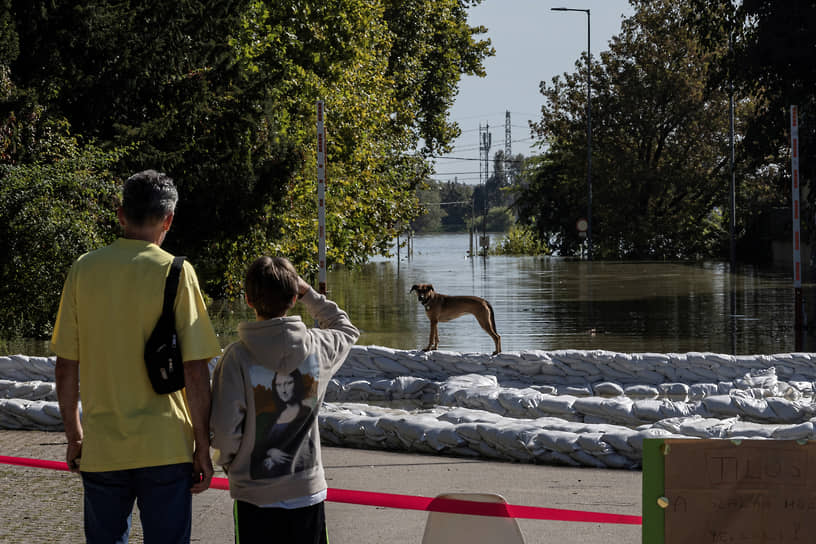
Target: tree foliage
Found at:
49, 214
520, 240
659, 171
459, 210
455, 207
771, 61
221, 95
57, 200
433, 213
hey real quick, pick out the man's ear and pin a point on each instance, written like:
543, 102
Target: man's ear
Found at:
246, 297
167, 221
120, 213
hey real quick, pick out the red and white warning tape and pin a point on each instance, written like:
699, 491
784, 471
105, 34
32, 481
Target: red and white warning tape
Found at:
412, 502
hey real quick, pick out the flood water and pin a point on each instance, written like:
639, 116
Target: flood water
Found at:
547, 303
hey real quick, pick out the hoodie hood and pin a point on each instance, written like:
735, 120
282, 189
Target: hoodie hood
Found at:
280, 343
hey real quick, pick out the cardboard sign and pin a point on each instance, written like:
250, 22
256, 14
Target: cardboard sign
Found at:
738, 492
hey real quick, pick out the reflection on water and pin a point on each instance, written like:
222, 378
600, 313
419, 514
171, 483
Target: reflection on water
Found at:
550, 303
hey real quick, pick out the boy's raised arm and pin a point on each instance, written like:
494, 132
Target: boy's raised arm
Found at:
330, 317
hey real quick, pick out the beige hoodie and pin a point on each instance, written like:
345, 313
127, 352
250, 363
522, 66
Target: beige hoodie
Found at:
267, 390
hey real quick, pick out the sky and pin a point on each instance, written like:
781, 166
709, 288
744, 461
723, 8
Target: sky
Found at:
532, 44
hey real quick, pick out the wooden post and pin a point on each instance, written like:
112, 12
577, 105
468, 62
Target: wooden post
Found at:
321, 197
797, 252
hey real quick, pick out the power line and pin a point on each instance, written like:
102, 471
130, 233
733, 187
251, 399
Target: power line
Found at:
482, 115
497, 117
445, 203
473, 148
459, 180
470, 159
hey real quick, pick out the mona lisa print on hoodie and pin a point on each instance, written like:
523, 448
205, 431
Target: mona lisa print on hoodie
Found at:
285, 410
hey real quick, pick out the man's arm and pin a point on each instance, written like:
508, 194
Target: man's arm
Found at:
197, 384
66, 374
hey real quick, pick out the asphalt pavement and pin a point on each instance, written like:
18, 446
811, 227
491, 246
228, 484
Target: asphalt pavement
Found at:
41, 505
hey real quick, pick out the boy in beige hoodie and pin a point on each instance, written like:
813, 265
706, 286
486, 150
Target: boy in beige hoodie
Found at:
267, 390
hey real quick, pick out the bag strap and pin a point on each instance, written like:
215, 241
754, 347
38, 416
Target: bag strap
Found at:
171, 287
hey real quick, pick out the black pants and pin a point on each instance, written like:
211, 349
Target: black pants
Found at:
255, 525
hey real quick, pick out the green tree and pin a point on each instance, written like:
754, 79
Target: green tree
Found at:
57, 200
433, 213
499, 219
50, 213
504, 171
221, 95
457, 199
432, 46
659, 146
771, 61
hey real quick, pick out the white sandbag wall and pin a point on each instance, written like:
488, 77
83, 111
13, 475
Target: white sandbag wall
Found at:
28, 396
582, 408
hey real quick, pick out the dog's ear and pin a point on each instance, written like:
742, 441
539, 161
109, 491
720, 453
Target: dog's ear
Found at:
429, 287
414, 288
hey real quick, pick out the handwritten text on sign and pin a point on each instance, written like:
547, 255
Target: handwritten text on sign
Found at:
742, 492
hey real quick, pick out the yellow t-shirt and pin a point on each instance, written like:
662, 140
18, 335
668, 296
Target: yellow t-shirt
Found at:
110, 304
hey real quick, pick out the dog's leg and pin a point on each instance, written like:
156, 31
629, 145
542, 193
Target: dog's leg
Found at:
431, 343
495, 333
488, 323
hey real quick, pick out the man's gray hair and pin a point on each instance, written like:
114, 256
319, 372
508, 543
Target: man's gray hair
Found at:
148, 197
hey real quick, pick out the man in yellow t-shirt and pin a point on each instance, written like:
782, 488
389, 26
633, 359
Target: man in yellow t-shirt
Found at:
131, 443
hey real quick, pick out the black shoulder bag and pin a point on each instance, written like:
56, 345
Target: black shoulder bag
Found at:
162, 354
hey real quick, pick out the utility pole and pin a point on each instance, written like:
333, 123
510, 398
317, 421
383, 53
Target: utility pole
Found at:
507, 147
485, 139
798, 311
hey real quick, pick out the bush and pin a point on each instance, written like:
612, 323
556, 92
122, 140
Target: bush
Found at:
520, 240
50, 214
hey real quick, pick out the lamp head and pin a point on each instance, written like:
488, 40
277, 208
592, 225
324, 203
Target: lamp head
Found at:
570, 9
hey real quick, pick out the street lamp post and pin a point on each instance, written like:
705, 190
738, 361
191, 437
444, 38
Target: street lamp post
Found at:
589, 132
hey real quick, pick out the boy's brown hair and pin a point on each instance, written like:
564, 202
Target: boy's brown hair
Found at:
271, 284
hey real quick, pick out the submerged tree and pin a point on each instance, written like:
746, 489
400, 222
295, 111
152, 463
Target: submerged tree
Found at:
659, 146
771, 60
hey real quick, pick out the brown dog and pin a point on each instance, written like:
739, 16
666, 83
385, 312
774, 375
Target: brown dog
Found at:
440, 307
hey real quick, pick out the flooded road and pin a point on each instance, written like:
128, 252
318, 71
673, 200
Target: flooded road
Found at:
550, 303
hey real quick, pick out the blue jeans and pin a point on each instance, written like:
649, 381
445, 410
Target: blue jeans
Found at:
162, 494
